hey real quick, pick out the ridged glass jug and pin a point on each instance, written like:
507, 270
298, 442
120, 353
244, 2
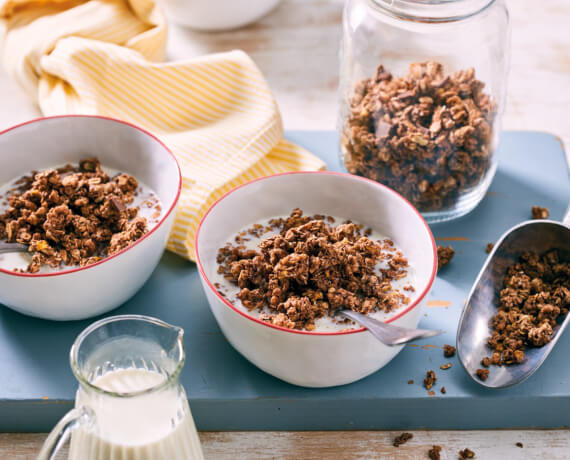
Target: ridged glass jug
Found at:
130, 404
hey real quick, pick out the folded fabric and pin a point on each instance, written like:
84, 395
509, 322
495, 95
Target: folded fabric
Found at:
216, 113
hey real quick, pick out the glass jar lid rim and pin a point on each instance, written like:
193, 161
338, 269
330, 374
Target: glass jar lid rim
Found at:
433, 10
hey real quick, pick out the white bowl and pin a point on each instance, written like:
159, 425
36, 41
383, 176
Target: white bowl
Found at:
315, 359
216, 15
89, 291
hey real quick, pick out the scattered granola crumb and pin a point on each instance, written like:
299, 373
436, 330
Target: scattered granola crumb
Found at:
410, 382
402, 439
489, 247
430, 380
519, 444
466, 453
448, 351
445, 366
482, 374
443, 390
486, 362
444, 255
434, 453
540, 213
431, 393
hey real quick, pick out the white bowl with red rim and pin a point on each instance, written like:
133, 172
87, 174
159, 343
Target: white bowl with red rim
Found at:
216, 15
83, 292
314, 359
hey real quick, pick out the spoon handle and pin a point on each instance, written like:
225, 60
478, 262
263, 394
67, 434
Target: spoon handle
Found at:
388, 334
12, 247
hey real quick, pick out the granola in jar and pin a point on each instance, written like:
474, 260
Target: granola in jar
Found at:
428, 134
415, 114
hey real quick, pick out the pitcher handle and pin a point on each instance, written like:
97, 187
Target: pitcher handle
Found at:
62, 431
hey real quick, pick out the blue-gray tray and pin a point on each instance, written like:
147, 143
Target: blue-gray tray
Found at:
226, 392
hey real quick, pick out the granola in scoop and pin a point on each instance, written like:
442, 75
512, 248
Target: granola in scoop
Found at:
534, 298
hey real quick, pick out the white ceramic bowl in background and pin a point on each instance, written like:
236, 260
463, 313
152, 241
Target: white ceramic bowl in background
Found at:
216, 15
314, 359
54, 141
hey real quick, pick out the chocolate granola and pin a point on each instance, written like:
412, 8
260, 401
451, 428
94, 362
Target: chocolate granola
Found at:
430, 380
535, 296
72, 215
483, 374
434, 453
312, 268
427, 135
402, 439
444, 256
466, 454
448, 351
539, 212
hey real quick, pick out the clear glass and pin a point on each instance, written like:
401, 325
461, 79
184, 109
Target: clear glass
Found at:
427, 122
130, 403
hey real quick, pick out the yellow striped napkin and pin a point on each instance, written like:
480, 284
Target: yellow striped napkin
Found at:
216, 113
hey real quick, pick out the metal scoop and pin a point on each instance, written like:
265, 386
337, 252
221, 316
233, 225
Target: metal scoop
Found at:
539, 236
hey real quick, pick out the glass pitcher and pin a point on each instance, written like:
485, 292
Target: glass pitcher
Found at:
130, 403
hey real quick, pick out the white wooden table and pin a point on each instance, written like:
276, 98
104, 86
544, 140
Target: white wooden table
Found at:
296, 47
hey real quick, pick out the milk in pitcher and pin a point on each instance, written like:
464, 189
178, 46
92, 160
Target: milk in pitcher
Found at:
153, 426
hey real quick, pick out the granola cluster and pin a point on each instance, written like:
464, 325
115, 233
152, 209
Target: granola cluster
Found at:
310, 268
430, 380
448, 351
427, 135
539, 212
444, 255
536, 294
402, 439
466, 454
434, 453
72, 215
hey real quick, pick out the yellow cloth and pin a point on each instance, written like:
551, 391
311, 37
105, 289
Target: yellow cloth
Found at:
216, 113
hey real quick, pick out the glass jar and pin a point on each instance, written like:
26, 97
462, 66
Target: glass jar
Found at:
422, 85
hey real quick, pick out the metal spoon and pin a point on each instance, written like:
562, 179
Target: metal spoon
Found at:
536, 235
388, 334
12, 247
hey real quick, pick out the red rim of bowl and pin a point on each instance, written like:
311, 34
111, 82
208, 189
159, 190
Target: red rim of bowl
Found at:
106, 259
295, 331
